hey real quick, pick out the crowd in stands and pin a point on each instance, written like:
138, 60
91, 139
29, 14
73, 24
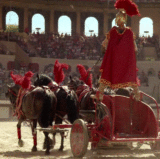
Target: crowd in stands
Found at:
147, 42
65, 46
14, 37
143, 78
4, 74
70, 47
57, 46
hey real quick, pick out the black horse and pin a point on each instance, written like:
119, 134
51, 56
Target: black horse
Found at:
67, 101
86, 103
35, 105
84, 92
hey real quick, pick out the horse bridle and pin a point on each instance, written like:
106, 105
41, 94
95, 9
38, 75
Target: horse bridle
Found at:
11, 98
12, 92
71, 86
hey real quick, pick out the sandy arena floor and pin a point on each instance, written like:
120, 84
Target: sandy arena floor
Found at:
9, 148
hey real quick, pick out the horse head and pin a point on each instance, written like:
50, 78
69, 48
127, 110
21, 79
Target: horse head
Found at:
42, 80
12, 93
74, 83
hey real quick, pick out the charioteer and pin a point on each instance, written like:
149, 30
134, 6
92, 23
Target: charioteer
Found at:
118, 68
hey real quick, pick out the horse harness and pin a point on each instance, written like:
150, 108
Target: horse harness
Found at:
21, 93
18, 111
84, 90
12, 92
55, 88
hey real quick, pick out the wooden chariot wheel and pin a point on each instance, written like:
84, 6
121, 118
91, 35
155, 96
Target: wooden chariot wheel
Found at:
79, 138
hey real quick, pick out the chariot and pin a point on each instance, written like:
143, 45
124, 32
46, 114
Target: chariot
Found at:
119, 121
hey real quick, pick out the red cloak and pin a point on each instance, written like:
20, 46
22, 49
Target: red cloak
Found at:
119, 63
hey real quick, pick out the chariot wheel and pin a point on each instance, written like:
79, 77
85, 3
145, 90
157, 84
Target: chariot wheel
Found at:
79, 138
156, 147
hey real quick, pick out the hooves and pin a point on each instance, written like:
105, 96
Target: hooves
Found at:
44, 145
20, 143
34, 149
61, 148
51, 144
47, 153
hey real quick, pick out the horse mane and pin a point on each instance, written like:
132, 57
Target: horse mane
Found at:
74, 83
78, 81
46, 78
12, 94
42, 79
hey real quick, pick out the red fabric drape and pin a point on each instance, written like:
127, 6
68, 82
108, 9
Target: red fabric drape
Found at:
119, 63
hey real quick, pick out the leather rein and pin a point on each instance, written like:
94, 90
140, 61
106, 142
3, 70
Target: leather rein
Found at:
12, 92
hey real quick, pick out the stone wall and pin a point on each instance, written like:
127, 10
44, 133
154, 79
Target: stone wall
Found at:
153, 87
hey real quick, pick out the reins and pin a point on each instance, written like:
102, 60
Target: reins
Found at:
12, 92
93, 67
96, 63
62, 117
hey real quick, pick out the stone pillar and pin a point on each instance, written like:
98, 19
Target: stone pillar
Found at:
135, 25
105, 29
0, 17
78, 24
52, 21
26, 18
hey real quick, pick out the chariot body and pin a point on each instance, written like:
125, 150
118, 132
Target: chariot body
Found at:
118, 121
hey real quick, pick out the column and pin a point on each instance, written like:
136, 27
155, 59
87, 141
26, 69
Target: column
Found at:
78, 24
1, 17
26, 18
105, 29
135, 25
52, 21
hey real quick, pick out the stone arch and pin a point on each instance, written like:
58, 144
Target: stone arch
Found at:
18, 11
111, 17
64, 24
143, 30
38, 21
114, 22
71, 15
44, 13
12, 18
91, 26
98, 16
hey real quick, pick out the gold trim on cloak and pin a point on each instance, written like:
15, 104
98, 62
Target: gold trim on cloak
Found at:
119, 85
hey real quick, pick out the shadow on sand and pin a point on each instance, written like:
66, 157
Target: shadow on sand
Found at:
99, 154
